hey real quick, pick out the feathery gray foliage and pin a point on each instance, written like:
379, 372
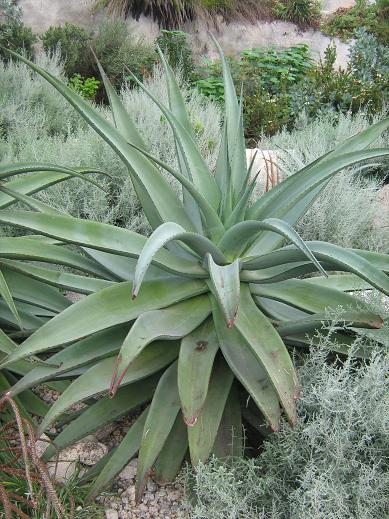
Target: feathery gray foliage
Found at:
333, 464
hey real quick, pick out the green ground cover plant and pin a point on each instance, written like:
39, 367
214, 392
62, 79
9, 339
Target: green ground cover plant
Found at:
334, 463
194, 319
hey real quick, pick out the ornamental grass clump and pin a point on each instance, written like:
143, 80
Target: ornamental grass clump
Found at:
194, 321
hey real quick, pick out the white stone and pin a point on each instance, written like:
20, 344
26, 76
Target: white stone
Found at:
111, 514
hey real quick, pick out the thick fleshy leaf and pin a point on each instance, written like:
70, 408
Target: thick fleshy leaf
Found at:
288, 193
37, 250
127, 449
58, 278
92, 349
213, 224
158, 199
163, 235
171, 323
354, 144
97, 235
343, 282
102, 310
225, 286
170, 459
338, 257
247, 369
197, 354
197, 168
35, 182
317, 321
8, 299
32, 203
203, 433
161, 417
10, 170
229, 439
309, 297
270, 350
97, 379
235, 137
34, 292
236, 239
103, 412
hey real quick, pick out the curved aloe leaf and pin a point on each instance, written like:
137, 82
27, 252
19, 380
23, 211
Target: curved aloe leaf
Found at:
34, 292
286, 194
213, 224
338, 257
238, 237
171, 323
92, 349
97, 379
203, 433
5, 293
225, 286
35, 182
9, 170
315, 322
195, 361
156, 195
32, 203
58, 278
163, 235
310, 298
127, 449
247, 369
196, 166
343, 282
97, 235
102, 310
170, 459
270, 350
103, 412
161, 417
37, 250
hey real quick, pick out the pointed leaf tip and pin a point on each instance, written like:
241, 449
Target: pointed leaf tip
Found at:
191, 422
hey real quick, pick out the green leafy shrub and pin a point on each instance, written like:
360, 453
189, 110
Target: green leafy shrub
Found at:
176, 47
118, 51
369, 59
334, 463
345, 22
196, 330
327, 88
87, 87
266, 78
304, 12
13, 33
73, 42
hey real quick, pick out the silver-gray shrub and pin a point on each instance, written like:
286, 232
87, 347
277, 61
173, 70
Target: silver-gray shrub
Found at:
348, 212
333, 465
38, 125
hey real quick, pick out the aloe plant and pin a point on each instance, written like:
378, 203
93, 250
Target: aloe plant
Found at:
195, 321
